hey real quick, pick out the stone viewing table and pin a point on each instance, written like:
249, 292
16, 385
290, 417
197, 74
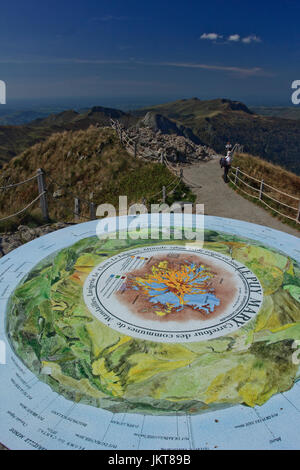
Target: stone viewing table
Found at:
150, 343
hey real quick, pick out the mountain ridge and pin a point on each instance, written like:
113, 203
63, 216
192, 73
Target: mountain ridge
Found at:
215, 122
15, 139
206, 122
91, 165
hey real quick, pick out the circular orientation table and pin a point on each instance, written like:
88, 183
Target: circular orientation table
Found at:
143, 342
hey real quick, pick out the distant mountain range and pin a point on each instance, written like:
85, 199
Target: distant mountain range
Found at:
15, 139
286, 112
211, 122
214, 122
17, 118
91, 164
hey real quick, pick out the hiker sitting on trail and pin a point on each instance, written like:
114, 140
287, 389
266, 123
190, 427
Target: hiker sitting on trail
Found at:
227, 166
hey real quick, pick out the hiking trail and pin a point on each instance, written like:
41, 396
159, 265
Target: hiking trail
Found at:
206, 181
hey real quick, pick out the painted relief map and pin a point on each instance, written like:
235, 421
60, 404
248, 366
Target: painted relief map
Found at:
178, 343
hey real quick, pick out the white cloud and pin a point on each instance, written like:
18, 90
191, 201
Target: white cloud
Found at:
242, 71
234, 38
134, 62
211, 36
251, 38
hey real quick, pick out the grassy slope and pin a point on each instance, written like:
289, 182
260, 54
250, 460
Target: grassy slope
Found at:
287, 112
217, 121
16, 139
273, 175
87, 163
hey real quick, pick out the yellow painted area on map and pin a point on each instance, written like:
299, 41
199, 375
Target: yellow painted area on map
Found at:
224, 248
163, 264
108, 378
247, 383
278, 312
255, 392
123, 340
168, 309
86, 263
265, 257
83, 266
265, 313
79, 387
290, 269
271, 277
101, 336
282, 327
146, 367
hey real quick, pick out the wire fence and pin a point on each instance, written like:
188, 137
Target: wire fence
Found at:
266, 194
247, 184
134, 148
45, 196
146, 154
16, 214
10, 186
39, 176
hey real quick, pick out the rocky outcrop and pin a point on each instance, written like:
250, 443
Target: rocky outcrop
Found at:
24, 234
177, 148
159, 123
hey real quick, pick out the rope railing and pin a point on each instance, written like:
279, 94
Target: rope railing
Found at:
14, 185
262, 194
245, 174
146, 154
243, 191
235, 178
280, 202
131, 144
24, 209
265, 184
282, 192
70, 193
169, 166
42, 196
246, 184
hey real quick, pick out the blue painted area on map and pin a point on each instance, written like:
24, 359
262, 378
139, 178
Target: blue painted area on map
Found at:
203, 301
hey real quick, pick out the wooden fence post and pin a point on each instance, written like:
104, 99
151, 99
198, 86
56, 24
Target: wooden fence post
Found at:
135, 148
298, 215
261, 190
92, 211
77, 209
164, 194
236, 175
181, 174
42, 192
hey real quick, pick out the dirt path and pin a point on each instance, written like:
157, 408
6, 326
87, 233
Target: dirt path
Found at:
205, 180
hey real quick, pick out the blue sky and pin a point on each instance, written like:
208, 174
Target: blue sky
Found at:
110, 50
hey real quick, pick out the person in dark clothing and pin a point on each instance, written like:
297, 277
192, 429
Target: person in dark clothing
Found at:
227, 166
228, 147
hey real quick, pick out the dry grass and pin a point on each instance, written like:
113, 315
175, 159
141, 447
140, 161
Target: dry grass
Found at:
90, 164
274, 176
